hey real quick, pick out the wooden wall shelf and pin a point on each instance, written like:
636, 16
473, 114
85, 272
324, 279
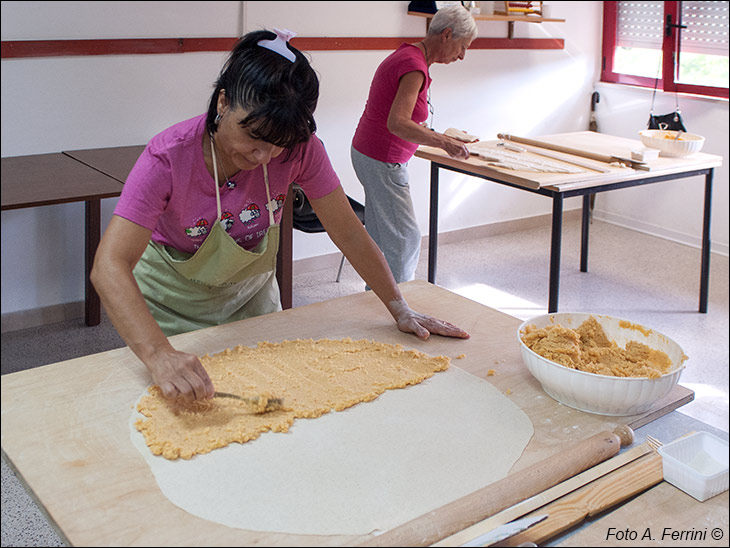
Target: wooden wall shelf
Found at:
509, 19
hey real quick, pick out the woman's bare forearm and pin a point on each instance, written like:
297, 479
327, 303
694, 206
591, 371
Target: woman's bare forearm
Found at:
127, 309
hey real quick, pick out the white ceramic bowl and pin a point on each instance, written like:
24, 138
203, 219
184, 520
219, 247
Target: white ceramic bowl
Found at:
664, 139
603, 394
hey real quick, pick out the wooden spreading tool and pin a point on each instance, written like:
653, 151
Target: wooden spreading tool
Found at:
262, 404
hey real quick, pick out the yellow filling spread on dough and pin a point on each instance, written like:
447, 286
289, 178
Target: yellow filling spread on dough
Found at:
587, 348
312, 376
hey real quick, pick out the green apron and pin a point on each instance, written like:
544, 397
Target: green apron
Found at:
220, 283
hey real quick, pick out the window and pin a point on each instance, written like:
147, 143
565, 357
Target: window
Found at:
677, 46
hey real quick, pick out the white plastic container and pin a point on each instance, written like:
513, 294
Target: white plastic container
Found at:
645, 154
697, 464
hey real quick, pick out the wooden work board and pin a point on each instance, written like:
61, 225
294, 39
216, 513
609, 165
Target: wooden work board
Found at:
65, 426
593, 172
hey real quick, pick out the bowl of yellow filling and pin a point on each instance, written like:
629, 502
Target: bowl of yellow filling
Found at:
672, 143
600, 364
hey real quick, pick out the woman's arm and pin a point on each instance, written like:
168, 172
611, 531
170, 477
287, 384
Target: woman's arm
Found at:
347, 232
401, 124
176, 373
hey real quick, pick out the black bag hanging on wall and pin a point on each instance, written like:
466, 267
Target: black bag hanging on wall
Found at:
672, 121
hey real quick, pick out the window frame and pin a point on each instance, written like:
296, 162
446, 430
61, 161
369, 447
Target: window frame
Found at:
670, 46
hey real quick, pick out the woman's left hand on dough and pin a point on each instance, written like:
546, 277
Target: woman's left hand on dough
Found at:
422, 325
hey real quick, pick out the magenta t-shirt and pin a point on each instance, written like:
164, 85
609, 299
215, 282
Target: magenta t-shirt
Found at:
170, 191
372, 137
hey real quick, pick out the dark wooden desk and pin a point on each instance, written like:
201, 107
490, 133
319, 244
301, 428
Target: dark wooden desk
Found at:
603, 178
116, 162
49, 179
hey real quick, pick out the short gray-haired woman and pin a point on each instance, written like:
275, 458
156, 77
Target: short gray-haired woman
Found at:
392, 127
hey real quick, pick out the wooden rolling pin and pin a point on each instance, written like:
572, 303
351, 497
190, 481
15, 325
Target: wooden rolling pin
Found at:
466, 511
574, 151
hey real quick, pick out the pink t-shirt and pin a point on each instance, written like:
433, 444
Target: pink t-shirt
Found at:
170, 191
372, 137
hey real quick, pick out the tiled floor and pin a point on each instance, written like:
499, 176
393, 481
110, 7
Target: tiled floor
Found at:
647, 280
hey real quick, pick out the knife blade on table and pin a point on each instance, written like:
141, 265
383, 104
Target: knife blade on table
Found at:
505, 531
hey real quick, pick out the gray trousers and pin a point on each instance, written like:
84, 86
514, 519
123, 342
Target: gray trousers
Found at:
389, 216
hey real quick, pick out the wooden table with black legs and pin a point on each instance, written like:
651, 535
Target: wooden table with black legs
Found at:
559, 187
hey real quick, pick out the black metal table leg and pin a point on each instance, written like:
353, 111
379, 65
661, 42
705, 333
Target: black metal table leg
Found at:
433, 223
555, 244
585, 224
705, 269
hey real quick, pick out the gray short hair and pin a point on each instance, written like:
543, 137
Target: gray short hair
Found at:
457, 18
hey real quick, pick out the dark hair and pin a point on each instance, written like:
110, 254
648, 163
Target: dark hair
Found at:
280, 95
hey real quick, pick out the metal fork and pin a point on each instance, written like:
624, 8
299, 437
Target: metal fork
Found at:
270, 404
653, 442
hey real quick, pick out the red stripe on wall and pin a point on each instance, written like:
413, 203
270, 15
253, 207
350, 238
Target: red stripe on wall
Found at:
132, 46
13, 49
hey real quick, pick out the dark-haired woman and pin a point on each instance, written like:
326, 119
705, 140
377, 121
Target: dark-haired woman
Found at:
194, 236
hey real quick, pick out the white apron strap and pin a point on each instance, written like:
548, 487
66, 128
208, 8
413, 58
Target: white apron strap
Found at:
271, 204
215, 175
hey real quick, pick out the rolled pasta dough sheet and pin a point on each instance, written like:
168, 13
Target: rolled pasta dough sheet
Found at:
366, 469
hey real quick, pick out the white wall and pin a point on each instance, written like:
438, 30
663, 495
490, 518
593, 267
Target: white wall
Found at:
65, 103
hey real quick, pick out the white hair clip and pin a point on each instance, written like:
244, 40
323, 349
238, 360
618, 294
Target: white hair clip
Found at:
278, 44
